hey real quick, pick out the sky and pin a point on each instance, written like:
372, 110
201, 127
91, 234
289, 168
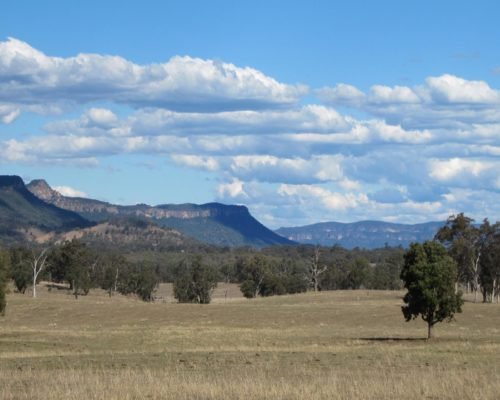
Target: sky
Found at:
304, 111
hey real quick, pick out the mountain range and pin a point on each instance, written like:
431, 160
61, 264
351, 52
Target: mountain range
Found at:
212, 223
363, 234
38, 212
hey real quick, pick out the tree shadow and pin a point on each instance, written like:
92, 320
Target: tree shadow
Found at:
393, 339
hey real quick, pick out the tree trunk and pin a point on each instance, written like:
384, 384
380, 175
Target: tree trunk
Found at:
34, 284
115, 286
429, 330
493, 289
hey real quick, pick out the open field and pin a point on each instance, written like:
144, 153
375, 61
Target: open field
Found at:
330, 345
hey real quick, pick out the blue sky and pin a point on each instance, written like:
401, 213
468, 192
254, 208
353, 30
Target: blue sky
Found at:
303, 111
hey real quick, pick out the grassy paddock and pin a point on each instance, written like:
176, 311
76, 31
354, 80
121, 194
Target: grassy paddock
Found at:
330, 345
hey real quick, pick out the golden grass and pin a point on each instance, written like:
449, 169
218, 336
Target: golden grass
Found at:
330, 345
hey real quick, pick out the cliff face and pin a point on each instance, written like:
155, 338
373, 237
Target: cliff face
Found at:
41, 189
213, 223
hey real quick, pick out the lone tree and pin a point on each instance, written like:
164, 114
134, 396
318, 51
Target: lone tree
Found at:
429, 274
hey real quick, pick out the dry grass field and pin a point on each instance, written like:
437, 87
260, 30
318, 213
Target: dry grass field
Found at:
330, 345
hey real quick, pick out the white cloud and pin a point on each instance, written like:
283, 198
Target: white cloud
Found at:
150, 122
307, 195
450, 169
452, 89
69, 191
442, 101
267, 168
182, 83
397, 94
207, 163
9, 113
418, 153
100, 117
234, 190
342, 94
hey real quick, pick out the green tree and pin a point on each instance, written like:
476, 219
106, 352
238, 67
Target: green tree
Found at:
20, 270
111, 266
251, 272
429, 275
490, 262
75, 263
195, 281
139, 279
464, 243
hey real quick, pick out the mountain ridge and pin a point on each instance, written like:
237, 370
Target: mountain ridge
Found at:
367, 234
213, 223
21, 212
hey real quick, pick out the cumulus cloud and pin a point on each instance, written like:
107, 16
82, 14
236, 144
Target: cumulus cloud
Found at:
304, 194
442, 101
343, 94
466, 173
233, 190
266, 168
309, 118
193, 161
452, 89
417, 153
182, 83
69, 191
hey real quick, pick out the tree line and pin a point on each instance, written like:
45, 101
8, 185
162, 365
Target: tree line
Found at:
80, 266
277, 270
476, 251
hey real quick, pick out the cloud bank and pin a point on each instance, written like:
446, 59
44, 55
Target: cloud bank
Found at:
419, 153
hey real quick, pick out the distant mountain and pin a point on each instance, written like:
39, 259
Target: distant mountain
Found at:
213, 223
22, 214
363, 234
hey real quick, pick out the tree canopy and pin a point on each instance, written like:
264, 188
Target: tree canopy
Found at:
429, 275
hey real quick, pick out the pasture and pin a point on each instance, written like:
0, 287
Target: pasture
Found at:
328, 345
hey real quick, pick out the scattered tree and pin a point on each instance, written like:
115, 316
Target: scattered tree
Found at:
315, 269
429, 275
37, 264
490, 263
195, 282
251, 272
20, 271
464, 243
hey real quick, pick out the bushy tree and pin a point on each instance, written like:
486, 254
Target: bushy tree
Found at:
75, 263
489, 277
112, 268
429, 275
464, 244
20, 271
252, 272
195, 281
139, 279
386, 276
